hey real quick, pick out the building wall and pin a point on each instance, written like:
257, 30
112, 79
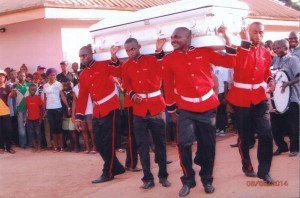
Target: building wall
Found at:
42, 42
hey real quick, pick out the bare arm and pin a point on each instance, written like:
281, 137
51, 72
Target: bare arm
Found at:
74, 106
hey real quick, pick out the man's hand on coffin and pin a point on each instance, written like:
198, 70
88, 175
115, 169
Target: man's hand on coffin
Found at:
159, 44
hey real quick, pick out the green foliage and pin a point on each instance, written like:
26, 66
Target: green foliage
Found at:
291, 4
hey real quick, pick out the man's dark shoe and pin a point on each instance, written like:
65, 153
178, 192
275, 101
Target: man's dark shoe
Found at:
293, 153
234, 145
102, 179
184, 191
209, 188
164, 182
11, 151
267, 178
279, 151
147, 185
249, 173
135, 169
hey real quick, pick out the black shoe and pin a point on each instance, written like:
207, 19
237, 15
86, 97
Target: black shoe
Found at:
279, 151
184, 191
169, 162
136, 169
234, 145
11, 151
249, 173
267, 178
147, 185
209, 188
102, 179
164, 182
293, 153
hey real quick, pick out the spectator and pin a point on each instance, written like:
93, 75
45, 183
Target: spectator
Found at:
75, 73
24, 69
12, 106
5, 124
87, 129
40, 70
34, 108
294, 44
68, 125
64, 73
29, 78
52, 103
45, 128
20, 91
221, 119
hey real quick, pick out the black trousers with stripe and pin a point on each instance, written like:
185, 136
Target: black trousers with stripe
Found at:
104, 132
200, 127
261, 117
157, 127
131, 148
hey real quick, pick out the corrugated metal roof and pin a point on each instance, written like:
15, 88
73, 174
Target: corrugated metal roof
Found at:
269, 9
128, 5
108, 4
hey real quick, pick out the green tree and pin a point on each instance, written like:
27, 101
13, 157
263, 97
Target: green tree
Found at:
291, 4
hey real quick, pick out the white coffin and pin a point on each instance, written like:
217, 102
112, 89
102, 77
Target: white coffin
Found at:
202, 17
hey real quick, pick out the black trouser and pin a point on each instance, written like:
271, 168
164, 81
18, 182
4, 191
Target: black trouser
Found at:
199, 125
260, 113
14, 129
286, 123
5, 132
131, 148
157, 126
104, 132
221, 114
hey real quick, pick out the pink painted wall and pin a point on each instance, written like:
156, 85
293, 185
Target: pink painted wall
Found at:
37, 42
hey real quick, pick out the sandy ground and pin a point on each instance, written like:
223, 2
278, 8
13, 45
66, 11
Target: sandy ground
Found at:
69, 175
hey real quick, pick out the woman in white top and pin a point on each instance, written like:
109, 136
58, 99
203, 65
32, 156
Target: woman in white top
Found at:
87, 129
52, 103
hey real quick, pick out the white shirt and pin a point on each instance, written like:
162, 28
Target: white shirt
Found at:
89, 106
53, 95
222, 75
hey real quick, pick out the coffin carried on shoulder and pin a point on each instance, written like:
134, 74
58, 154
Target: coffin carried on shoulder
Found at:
201, 17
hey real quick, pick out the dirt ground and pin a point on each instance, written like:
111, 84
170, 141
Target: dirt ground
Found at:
68, 175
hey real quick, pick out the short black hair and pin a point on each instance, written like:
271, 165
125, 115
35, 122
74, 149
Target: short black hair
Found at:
29, 75
131, 40
65, 80
44, 76
32, 85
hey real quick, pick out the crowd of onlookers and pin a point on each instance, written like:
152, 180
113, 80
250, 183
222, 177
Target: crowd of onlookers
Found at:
31, 122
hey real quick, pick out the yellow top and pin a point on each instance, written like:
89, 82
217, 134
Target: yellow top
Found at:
4, 109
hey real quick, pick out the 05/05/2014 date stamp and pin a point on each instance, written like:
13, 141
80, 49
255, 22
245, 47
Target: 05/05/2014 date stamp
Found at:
262, 183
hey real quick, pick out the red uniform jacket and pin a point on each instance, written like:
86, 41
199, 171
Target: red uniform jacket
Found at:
252, 67
189, 74
142, 77
96, 80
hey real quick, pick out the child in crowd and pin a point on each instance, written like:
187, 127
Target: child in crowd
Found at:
68, 125
34, 108
87, 130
